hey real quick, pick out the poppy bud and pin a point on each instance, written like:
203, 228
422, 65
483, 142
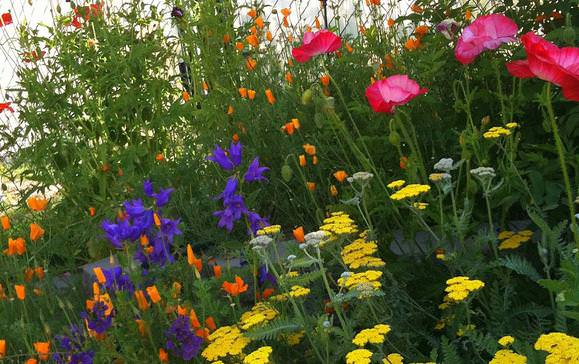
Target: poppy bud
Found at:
307, 97
394, 138
286, 173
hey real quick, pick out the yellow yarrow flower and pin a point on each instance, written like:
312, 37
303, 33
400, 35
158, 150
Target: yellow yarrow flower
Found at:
359, 254
295, 338
339, 223
512, 125
393, 358
259, 356
269, 230
512, 240
396, 184
410, 191
374, 335
562, 348
496, 132
259, 314
506, 340
225, 341
506, 356
369, 278
458, 289
359, 356
420, 205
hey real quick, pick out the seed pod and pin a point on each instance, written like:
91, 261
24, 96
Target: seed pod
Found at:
307, 97
394, 138
286, 173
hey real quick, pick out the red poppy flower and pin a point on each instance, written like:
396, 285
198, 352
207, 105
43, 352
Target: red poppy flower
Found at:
5, 19
6, 106
485, 33
317, 43
548, 62
385, 95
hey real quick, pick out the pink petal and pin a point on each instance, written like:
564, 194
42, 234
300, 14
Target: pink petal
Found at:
571, 91
519, 69
384, 95
317, 43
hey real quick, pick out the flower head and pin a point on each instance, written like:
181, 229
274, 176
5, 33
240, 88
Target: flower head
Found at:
181, 340
448, 28
255, 172
227, 159
314, 44
385, 95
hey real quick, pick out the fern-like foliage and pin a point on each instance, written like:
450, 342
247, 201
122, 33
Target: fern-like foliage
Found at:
449, 352
273, 329
521, 266
303, 279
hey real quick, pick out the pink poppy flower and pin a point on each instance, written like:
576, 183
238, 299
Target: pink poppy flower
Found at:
5, 19
548, 62
385, 95
6, 106
485, 33
317, 43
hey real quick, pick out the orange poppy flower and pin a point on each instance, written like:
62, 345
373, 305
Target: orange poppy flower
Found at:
31, 361
39, 272
421, 31
317, 23
259, 22
390, 22
159, 157
286, 12
20, 291
204, 86
141, 327
296, 123
5, 222
403, 162
230, 110
28, 274
303, 161
43, 349
412, 44
226, 38
100, 276
333, 191
163, 356
285, 22
325, 80
252, 13
141, 300
308, 29
311, 186
91, 211
210, 322
315, 160
416, 8
235, 289
270, 97
288, 128
309, 149
340, 176
468, 15
251, 94
252, 40
37, 203
186, 96
2, 349
289, 77
250, 64
374, 2
349, 48
193, 319
268, 36
299, 234
267, 293
15, 247
193, 260
154, 294
217, 271
239, 46
36, 232
235, 138
242, 92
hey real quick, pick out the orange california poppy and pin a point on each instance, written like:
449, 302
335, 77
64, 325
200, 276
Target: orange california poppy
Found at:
286, 12
290, 37
239, 46
259, 22
28, 274
308, 29
36, 232
193, 319
230, 110
235, 289
15, 247
412, 44
210, 322
252, 40
242, 92
421, 31
2, 349
43, 349
217, 271
299, 234
193, 260
250, 64
467, 15
349, 47
289, 77
333, 191
268, 36
5, 222
37, 203
226, 38
317, 23
31, 361
309, 149
141, 300
391, 22
416, 8
100, 276
374, 2
267, 293
186, 96
303, 161
39, 272
325, 80
154, 294
235, 138
159, 157
290, 63
163, 356
296, 123
251, 94
270, 97
315, 160
91, 211
20, 291
311, 186
252, 13
288, 128
141, 327
340, 176
204, 86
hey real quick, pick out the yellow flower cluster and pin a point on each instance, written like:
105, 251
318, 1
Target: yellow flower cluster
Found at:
269, 230
295, 338
358, 254
512, 240
506, 356
374, 335
465, 329
420, 205
506, 340
259, 314
359, 356
369, 278
512, 125
562, 348
339, 223
393, 358
396, 184
410, 191
496, 132
295, 292
225, 341
458, 289
259, 356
